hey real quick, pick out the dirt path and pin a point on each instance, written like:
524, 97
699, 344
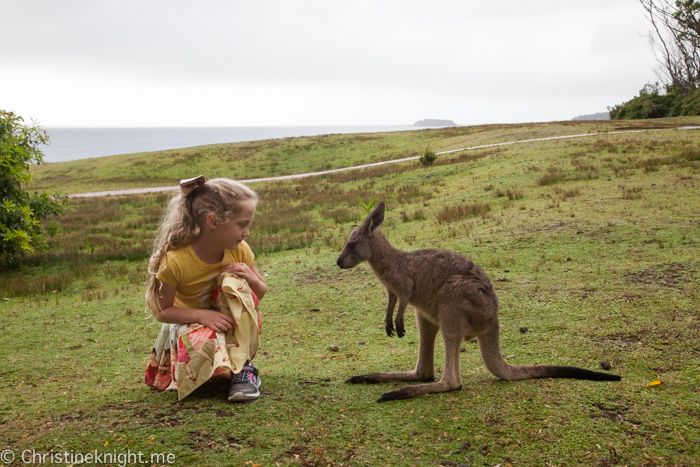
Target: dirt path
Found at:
313, 174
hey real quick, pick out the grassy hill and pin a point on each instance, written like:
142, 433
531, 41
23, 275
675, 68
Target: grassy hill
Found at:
592, 244
286, 156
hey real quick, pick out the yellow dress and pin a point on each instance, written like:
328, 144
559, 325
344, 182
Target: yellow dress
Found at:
187, 355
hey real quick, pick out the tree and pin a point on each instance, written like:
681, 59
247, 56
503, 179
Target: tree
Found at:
21, 230
676, 41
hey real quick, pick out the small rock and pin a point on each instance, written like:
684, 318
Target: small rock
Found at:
333, 348
568, 259
506, 270
361, 343
315, 309
605, 365
463, 349
523, 329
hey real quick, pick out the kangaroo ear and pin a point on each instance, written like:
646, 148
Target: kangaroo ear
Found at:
375, 218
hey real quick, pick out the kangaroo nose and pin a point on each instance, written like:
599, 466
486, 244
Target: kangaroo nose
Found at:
339, 263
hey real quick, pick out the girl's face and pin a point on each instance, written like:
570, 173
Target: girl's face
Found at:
231, 233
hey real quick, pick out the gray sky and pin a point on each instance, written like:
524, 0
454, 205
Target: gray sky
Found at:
318, 62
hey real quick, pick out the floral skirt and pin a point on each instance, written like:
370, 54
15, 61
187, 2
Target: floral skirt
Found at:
185, 356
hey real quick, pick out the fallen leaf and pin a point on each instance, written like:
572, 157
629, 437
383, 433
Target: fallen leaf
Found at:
654, 383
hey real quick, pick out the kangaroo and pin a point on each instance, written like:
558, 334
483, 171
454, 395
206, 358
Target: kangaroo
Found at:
450, 294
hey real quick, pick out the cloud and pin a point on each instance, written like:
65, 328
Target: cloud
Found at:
78, 62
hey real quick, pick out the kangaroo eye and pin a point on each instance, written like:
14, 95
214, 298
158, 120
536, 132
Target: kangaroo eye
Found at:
351, 246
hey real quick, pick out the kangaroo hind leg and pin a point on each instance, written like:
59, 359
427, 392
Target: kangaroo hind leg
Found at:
451, 377
425, 367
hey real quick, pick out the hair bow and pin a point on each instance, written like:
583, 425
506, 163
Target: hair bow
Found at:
191, 184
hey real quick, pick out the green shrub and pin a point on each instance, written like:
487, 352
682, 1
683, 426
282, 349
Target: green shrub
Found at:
428, 157
652, 103
21, 230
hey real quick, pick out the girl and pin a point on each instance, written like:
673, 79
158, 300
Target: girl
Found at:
205, 289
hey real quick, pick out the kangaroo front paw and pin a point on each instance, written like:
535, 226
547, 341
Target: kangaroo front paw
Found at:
394, 396
400, 331
361, 379
389, 330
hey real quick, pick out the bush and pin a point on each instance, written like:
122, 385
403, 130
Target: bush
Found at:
428, 157
20, 212
652, 103
459, 212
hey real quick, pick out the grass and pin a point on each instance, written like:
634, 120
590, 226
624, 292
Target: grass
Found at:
259, 159
600, 265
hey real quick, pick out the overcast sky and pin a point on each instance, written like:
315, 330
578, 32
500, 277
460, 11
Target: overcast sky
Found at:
318, 62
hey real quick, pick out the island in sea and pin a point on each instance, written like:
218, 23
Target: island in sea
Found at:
596, 116
434, 122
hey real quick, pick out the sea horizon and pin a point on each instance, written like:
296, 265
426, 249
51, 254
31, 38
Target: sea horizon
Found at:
74, 143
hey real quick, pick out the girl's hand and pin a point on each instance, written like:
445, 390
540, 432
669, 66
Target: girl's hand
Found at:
219, 322
169, 313
251, 275
241, 270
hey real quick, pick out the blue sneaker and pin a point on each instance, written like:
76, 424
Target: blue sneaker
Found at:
245, 385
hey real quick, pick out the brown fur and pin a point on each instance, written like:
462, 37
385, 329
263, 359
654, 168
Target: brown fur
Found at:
451, 294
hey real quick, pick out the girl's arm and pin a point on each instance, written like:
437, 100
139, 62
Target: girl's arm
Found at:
251, 275
169, 313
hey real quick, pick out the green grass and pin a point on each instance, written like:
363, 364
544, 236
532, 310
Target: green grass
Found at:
601, 264
259, 159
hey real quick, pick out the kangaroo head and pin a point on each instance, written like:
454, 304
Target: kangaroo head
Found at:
358, 246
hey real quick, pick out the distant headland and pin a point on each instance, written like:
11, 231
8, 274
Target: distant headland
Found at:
596, 116
434, 122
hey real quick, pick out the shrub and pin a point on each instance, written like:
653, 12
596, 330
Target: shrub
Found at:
652, 103
428, 157
21, 231
453, 213
551, 178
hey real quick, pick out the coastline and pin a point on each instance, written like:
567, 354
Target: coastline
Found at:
68, 144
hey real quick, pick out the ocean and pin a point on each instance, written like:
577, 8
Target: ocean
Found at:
68, 144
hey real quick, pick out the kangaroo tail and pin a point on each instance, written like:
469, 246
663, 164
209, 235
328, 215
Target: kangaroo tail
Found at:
496, 364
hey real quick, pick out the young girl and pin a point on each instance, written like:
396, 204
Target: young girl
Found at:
205, 289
